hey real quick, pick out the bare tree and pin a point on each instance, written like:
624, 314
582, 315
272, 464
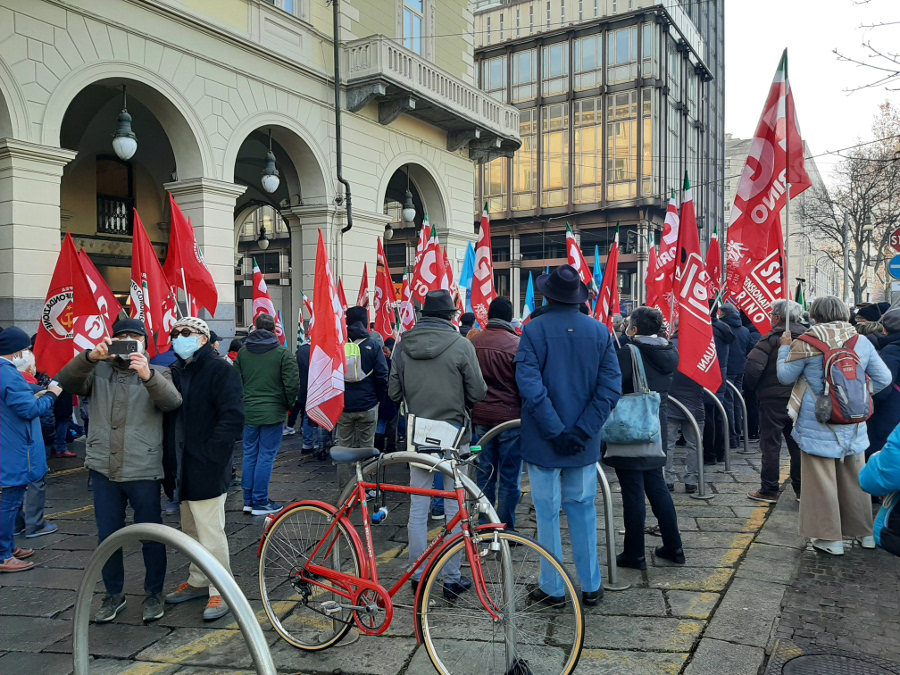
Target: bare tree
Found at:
865, 189
884, 63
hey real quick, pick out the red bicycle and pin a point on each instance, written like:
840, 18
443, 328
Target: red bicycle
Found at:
318, 579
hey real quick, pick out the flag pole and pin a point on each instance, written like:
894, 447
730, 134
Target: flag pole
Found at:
187, 296
175, 298
787, 182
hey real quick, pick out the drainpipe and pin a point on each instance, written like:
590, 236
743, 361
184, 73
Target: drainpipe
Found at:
337, 114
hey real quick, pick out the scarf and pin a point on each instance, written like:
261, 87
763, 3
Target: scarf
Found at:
834, 334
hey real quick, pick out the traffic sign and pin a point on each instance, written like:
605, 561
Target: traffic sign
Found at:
894, 267
895, 239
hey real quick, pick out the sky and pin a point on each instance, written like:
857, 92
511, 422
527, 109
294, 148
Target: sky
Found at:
831, 118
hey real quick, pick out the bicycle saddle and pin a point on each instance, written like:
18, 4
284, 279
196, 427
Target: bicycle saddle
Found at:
341, 455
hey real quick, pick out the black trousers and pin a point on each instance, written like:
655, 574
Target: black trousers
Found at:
715, 431
635, 485
775, 424
752, 412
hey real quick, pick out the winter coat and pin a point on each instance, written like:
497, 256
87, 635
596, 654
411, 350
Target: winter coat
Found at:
829, 440
660, 359
269, 374
496, 348
200, 435
724, 337
166, 359
23, 457
887, 401
64, 407
303, 352
387, 409
881, 476
688, 393
760, 372
435, 370
738, 350
125, 441
365, 395
569, 380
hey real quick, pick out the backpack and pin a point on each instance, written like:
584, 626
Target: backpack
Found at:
847, 398
354, 371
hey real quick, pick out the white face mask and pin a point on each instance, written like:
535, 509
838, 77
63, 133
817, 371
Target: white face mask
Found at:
24, 361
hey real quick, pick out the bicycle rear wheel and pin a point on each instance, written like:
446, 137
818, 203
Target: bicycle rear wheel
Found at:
294, 606
461, 635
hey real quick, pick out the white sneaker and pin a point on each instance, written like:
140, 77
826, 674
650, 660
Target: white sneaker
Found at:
832, 547
867, 542
288, 431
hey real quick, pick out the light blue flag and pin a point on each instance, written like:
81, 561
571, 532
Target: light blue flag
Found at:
598, 272
546, 271
468, 273
529, 301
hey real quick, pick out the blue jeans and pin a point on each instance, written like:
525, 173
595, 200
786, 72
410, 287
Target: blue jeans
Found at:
500, 473
10, 502
62, 429
261, 444
110, 500
575, 489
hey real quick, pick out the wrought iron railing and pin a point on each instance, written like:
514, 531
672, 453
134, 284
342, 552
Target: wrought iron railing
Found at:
115, 215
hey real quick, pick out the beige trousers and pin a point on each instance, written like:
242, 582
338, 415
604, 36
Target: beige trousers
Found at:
833, 506
204, 521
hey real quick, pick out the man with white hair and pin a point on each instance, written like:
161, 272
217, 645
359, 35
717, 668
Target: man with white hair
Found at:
199, 442
760, 375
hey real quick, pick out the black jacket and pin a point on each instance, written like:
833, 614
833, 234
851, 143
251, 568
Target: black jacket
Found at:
365, 395
760, 372
723, 336
660, 360
200, 435
689, 393
738, 350
303, 366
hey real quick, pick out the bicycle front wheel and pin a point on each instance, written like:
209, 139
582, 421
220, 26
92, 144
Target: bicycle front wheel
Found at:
460, 634
295, 607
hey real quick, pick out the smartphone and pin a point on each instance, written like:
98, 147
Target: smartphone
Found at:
120, 347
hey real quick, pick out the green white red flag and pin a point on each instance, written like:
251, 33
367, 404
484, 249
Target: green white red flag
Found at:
482, 290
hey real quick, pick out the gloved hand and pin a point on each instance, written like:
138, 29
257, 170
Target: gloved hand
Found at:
568, 444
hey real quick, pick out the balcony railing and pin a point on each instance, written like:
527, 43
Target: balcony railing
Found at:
115, 215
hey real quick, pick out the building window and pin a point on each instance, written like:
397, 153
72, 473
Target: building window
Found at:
674, 71
115, 196
530, 19
596, 8
562, 11
588, 150
548, 14
501, 27
555, 166
495, 185
489, 29
580, 10
518, 22
556, 68
525, 163
622, 55
621, 146
588, 64
413, 19
524, 75
673, 149
494, 77
650, 66
649, 116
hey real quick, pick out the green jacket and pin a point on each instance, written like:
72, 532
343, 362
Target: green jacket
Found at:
271, 379
126, 432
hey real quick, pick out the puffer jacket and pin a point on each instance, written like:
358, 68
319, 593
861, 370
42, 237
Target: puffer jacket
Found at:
22, 453
881, 476
887, 401
829, 440
125, 441
496, 347
760, 372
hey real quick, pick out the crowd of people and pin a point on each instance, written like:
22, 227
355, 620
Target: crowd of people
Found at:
172, 427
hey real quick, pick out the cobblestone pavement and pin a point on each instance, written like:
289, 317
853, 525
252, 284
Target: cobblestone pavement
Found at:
654, 627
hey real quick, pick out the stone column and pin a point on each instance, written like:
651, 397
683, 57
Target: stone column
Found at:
515, 273
30, 176
209, 203
304, 223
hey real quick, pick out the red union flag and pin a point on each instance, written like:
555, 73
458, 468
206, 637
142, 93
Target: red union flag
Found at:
609, 303
151, 297
714, 265
362, 298
696, 347
384, 296
325, 385
262, 302
652, 285
185, 267
764, 283
483, 293
90, 329
407, 309
665, 266
576, 259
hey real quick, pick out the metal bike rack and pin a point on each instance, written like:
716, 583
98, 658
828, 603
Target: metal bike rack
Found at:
725, 420
701, 474
740, 396
212, 568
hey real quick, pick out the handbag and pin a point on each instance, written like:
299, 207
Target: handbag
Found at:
632, 429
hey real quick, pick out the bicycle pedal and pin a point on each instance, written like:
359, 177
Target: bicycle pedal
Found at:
330, 607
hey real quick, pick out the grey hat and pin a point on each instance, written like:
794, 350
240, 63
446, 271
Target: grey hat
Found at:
891, 321
438, 301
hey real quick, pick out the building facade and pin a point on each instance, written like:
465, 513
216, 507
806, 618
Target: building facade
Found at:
616, 99
213, 86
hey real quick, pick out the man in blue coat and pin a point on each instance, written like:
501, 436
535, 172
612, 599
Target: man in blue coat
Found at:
569, 379
23, 459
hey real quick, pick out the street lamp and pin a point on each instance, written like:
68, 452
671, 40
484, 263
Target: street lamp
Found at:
263, 239
270, 179
124, 141
388, 232
409, 210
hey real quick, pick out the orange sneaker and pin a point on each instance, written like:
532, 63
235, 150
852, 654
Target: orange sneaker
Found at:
215, 608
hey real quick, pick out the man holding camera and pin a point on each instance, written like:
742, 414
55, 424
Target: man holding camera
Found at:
125, 450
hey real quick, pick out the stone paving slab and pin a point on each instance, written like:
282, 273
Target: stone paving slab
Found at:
715, 657
747, 613
642, 633
36, 664
691, 604
38, 602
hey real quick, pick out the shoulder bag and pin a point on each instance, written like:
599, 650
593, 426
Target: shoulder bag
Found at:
632, 429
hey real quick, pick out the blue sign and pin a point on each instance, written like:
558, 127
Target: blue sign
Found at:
894, 267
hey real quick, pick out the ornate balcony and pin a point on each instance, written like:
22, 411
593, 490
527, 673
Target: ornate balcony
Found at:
402, 82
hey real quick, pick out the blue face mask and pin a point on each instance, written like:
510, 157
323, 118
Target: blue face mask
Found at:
186, 346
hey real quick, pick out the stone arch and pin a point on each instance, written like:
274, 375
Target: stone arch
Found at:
428, 183
14, 118
193, 152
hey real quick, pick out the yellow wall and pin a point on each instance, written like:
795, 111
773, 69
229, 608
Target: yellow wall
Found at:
233, 12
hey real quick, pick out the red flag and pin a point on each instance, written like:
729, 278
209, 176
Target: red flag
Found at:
429, 273
665, 269
576, 258
763, 283
384, 296
90, 329
714, 265
151, 297
608, 302
775, 159
407, 309
185, 267
652, 285
309, 309
325, 392
482, 290
69, 297
696, 347
262, 302
362, 299
342, 296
